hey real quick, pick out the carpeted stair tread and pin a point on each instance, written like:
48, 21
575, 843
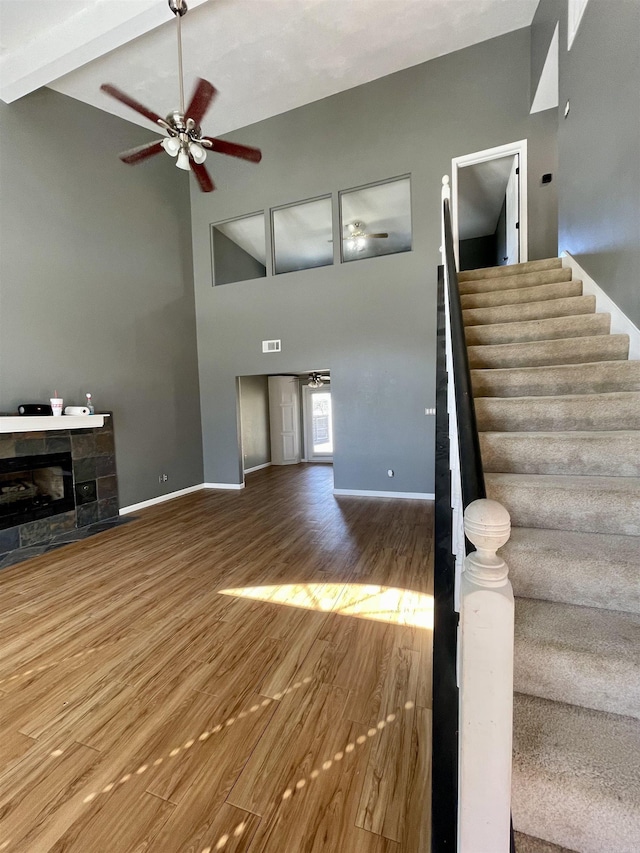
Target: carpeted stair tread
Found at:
600, 454
546, 353
586, 504
549, 329
556, 380
528, 844
539, 293
562, 790
511, 269
587, 569
617, 410
575, 779
579, 655
569, 306
508, 282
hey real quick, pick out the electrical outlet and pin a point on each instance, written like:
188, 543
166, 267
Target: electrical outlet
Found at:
163, 478
429, 411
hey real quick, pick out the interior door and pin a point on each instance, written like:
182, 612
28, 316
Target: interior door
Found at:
513, 213
284, 419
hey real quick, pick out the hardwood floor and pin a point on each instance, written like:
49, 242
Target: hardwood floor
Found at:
237, 671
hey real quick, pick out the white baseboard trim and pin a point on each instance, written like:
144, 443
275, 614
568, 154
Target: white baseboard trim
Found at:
365, 493
620, 323
125, 510
257, 468
222, 486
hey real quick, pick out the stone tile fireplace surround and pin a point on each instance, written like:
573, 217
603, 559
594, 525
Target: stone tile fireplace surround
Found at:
95, 487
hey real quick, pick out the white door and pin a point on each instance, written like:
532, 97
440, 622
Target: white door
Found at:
284, 419
318, 424
513, 213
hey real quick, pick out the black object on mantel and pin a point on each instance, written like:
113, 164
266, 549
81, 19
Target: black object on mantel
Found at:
35, 409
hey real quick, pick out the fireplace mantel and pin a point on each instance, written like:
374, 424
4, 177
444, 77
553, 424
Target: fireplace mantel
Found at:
45, 423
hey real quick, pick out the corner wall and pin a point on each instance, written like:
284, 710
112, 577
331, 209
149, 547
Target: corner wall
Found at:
371, 322
96, 288
599, 141
254, 415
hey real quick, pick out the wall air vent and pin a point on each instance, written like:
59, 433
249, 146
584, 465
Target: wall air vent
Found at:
271, 346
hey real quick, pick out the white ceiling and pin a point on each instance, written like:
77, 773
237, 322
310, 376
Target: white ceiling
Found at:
264, 56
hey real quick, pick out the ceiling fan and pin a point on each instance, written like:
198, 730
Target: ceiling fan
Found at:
357, 236
316, 380
184, 140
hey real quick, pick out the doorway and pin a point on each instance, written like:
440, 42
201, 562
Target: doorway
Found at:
318, 424
489, 195
284, 419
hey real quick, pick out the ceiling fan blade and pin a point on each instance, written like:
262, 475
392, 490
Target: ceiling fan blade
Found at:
202, 96
383, 234
233, 149
204, 178
108, 89
135, 155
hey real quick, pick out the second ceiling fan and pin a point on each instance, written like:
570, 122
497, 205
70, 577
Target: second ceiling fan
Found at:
184, 140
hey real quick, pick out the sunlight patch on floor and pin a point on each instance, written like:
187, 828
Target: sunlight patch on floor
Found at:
364, 601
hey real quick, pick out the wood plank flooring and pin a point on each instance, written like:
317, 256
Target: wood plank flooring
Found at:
237, 671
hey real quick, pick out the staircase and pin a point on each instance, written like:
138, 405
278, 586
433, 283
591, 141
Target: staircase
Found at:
558, 409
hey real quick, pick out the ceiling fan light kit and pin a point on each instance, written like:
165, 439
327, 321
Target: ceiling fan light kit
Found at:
184, 141
357, 239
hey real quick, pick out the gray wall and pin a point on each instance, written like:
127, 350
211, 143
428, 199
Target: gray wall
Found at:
371, 322
599, 145
96, 291
254, 419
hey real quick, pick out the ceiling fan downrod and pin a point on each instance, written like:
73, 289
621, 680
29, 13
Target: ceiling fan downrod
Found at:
179, 8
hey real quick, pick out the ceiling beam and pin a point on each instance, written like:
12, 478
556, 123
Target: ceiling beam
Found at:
81, 36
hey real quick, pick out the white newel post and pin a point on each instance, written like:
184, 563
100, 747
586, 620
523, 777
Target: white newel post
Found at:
486, 684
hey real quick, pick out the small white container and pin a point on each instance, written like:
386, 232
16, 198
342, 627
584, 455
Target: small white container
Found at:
56, 406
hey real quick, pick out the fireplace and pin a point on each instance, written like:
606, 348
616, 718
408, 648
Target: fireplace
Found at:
35, 487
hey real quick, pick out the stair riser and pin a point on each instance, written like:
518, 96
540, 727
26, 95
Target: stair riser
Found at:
554, 508
570, 307
511, 282
539, 330
556, 577
541, 293
542, 353
546, 414
576, 679
599, 378
581, 454
539, 804
512, 269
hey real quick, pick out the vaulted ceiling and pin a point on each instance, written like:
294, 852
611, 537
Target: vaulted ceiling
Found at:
264, 56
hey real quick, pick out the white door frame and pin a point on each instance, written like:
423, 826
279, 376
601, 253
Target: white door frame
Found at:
496, 153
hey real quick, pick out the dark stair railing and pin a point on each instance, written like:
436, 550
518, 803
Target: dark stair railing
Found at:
459, 481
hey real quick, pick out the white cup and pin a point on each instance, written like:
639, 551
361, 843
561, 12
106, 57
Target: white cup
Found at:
56, 405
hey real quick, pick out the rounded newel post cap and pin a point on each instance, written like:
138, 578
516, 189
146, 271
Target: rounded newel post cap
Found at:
445, 180
487, 524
